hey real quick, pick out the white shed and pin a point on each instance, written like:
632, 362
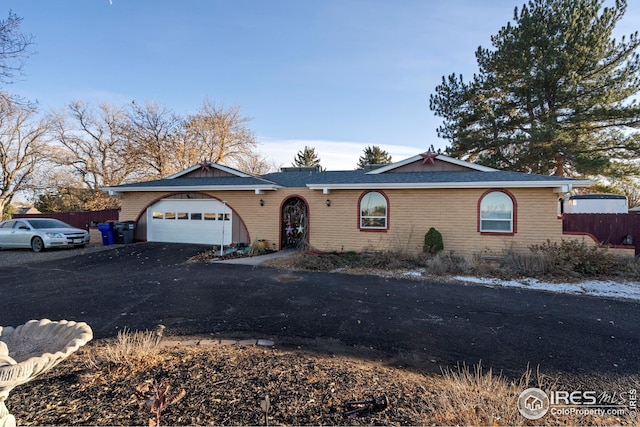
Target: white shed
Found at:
594, 203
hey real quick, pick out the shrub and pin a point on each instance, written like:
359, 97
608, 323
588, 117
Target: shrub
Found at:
575, 256
433, 242
532, 265
448, 263
257, 248
388, 260
318, 261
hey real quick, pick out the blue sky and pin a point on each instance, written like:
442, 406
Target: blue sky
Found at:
337, 75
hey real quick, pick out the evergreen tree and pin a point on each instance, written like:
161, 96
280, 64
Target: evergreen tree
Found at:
373, 155
306, 158
554, 95
8, 212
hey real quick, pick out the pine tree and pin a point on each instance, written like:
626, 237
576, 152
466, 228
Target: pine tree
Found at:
554, 95
373, 155
306, 158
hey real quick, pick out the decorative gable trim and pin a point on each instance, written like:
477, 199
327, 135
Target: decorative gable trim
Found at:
206, 165
439, 157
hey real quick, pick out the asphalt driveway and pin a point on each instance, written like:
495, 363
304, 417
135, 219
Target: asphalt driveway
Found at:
421, 323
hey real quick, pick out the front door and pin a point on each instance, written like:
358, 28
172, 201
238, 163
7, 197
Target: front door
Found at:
295, 224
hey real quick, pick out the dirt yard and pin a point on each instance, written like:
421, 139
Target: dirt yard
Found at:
110, 383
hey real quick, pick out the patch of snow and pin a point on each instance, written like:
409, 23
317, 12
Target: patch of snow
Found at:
597, 288
415, 273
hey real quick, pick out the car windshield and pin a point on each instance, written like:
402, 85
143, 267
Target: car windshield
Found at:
47, 223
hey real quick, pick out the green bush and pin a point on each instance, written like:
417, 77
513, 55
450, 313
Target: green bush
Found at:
433, 242
256, 249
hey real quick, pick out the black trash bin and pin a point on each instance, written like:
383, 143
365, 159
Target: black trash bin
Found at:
118, 231
129, 231
124, 232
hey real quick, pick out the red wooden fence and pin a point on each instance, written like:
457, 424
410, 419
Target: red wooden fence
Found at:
607, 228
77, 219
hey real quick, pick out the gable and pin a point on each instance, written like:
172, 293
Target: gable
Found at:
207, 169
430, 162
210, 172
437, 166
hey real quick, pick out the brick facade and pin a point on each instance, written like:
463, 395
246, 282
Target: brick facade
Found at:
411, 212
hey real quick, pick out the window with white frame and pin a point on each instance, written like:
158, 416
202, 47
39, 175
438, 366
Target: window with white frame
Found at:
496, 213
373, 211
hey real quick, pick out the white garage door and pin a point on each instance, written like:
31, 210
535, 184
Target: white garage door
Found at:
189, 221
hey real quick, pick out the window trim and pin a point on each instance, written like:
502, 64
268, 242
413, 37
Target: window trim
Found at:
514, 214
387, 215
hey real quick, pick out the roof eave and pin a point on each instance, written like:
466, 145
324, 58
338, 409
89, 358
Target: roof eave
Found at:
181, 188
452, 185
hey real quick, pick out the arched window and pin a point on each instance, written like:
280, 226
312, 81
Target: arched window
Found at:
496, 213
373, 211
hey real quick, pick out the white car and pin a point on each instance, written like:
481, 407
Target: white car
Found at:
40, 234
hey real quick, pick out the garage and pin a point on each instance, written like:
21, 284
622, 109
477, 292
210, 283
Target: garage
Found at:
203, 221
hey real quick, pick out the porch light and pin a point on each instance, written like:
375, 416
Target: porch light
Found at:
328, 202
261, 202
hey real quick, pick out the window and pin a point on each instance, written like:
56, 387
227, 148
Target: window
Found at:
183, 215
208, 216
224, 217
196, 216
169, 215
373, 211
158, 215
496, 213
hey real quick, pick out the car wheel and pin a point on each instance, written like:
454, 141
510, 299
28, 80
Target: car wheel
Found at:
37, 244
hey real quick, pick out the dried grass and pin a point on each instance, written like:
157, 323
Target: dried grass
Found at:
473, 396
223, 385
131, 349
549, 261
447, 263
530, 265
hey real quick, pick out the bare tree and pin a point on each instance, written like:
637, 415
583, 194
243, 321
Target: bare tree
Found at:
630, 187
14, 48
14, 51
156, 135
256, 165
220, 135
23, 147
106, 145
95, 144
92, 150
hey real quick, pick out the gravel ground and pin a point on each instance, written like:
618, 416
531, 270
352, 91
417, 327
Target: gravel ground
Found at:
13, 257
